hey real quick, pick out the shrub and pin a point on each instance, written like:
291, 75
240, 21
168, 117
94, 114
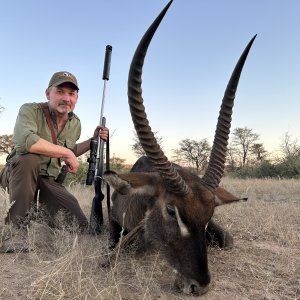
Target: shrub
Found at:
288, 168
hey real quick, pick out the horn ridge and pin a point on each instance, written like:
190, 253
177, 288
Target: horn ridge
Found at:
174, 181
216, 165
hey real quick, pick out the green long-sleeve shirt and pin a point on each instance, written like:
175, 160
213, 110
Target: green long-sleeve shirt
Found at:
31, 125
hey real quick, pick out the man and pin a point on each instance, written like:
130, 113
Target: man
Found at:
34, 164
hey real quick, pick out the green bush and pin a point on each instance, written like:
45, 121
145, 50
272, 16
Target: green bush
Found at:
80, 176
288, 168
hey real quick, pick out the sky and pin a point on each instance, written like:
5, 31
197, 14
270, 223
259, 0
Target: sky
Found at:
186, 70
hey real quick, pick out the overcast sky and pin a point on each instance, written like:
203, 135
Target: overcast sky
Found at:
186, 69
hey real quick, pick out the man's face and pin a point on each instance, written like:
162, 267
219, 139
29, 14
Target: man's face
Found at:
62, 99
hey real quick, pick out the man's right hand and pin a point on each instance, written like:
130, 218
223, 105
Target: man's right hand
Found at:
46, 148
71, 162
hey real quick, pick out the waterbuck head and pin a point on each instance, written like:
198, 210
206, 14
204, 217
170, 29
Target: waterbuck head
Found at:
178, 205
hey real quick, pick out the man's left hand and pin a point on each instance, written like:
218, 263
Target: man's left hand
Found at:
103, 133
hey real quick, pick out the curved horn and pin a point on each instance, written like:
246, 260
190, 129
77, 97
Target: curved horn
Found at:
216, 165
174, 181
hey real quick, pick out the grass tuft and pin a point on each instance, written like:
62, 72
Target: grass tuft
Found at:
263, 264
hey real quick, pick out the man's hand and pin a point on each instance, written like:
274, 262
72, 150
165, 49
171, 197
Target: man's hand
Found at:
71, 162
83, 147
103, 133
46, 148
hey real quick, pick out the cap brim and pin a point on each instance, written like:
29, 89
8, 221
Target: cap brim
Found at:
65, 81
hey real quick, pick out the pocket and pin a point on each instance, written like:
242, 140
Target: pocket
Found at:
11, 154
4, 177
11, 163
70, 143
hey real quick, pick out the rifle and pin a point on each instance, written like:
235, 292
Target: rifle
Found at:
96, 160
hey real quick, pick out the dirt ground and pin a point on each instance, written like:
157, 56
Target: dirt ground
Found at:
263, 264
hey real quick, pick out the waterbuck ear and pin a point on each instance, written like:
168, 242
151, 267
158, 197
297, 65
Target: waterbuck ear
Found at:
135, 183
224, 197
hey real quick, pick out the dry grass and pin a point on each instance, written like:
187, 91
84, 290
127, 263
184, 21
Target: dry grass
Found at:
264, 263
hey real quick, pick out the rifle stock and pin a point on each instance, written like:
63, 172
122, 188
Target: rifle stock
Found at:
96, 218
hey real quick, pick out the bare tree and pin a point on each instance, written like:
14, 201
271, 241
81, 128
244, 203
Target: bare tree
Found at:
196, 153
232, 158
137, 147
258, 150
1, 109
179, 158
243, 139
289, 147
6, 143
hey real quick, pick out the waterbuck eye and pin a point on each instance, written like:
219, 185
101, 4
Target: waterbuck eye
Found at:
171, 211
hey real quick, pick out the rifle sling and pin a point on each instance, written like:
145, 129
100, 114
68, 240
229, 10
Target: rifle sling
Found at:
107, 185
44, 106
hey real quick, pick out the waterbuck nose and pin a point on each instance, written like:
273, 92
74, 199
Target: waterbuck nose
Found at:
190, 286
195, 288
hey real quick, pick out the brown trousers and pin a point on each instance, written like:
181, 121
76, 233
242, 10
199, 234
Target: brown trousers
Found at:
22, 178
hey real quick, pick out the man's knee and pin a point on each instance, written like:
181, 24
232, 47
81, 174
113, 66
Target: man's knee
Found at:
28, 165
29, 161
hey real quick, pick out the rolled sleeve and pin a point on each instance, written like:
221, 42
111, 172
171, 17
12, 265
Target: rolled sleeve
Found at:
26, 128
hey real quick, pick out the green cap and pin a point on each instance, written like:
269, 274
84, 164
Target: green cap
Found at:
61, 77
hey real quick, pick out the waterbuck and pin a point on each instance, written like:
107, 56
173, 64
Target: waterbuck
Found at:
168, 206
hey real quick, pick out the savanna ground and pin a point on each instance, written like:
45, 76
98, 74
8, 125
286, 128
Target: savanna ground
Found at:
263, 264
